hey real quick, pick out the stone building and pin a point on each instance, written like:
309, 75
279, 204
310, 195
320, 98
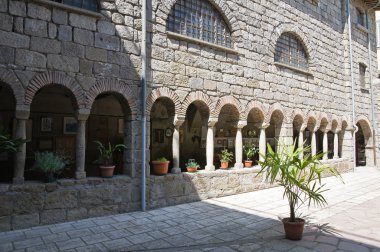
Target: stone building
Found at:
219, 74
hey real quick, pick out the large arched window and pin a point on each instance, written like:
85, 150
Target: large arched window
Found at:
91, 5
199, 19
290, 51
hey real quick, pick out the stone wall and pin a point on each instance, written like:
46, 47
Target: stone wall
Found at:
33, 203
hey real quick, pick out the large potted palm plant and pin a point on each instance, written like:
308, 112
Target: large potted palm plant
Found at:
300, 176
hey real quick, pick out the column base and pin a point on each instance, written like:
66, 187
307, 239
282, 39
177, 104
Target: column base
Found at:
80, 175
210, 168
239, 165
336, 157
175, 170
18, 180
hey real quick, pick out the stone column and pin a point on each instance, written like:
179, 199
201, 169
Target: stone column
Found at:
313, 142
300, 139
262, 141
239, 145
336, 144
175, 145
19, 157
210, 146
82, 116
325, 144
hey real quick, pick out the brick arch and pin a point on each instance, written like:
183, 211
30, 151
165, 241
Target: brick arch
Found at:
11, 80
116, 86
312, 116
163, 92
225, 100
335, 119
252, 105
297, 112
344, 122
323, 117
48, 78
192, 97
294, 29
221, 5
366, 128
272, 109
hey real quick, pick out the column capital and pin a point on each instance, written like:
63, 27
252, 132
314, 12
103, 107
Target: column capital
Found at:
82, 114
337, 130
325, 130
241, 124
211, 122
303, 127
264, 125
178, 121
22, 114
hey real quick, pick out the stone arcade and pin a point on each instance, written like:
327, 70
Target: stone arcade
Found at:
221, 74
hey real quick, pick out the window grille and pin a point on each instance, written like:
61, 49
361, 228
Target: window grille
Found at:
91, 5
362, 70
290, 51
199, 19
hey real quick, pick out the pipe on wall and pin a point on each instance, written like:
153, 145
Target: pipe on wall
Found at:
143, 103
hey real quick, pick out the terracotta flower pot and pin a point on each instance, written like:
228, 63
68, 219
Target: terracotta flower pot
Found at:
191, 169
293, 230
223, 165
248, 163
160, 168
106, 171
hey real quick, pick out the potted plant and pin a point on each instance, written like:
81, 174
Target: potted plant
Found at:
50, 164
192, 165
249, 150
300, 178
160, 166
225, 156
7, 144
105, 159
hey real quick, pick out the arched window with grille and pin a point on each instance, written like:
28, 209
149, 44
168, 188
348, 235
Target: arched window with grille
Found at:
91, 5
200, 20
291, 51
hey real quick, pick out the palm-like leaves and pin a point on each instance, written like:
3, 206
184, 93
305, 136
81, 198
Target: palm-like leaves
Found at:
7, 144
106, 152
300, 177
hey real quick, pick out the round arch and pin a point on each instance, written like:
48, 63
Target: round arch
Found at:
10, 79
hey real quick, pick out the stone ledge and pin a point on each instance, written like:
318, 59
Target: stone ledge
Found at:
201, 42
282, 65
68, 8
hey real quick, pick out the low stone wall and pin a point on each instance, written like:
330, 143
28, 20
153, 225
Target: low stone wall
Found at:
35, 203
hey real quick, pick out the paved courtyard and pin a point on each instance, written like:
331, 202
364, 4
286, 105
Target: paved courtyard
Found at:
245, 222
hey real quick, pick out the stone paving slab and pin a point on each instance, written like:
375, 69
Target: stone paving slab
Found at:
245, 222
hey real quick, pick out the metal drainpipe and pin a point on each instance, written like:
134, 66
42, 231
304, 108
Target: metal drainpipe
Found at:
143, 104
371, 88
348, 12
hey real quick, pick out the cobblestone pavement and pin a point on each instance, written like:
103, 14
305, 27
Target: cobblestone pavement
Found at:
245, 222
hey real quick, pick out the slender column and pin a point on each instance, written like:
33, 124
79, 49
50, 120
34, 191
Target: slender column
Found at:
336, 144
80, 172
239, 145
313, 142
300, 139
210, 146
175, 145
325, 144
262, 141
20, 155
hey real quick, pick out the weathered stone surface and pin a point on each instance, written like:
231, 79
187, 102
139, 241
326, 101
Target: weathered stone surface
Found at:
117, 18
6, 23
106, 27
106, 69
53, 216
14, 39
61, 199
45, 45
65, 33
63, 63
30, 58
107, 42
119, 58
124, 31
82, 21
96, 196
103, 210
28, 203
17, 8
25, 220
76, 213
52, 31
7, 55
35, 27
38, 12
73, 49
3, 5
5, 223
6, 205
86, 66
96, 54
83, 37
59, 16
124, 7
